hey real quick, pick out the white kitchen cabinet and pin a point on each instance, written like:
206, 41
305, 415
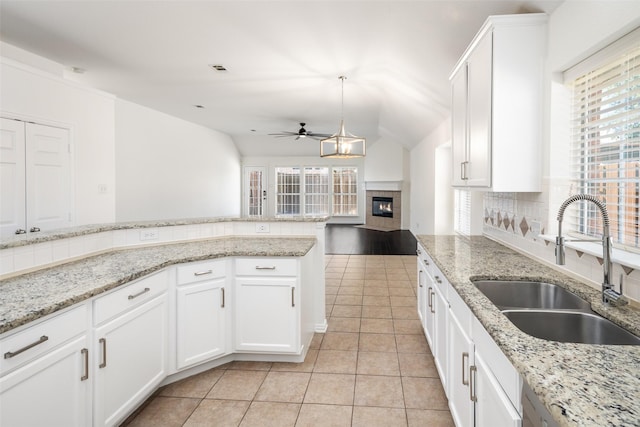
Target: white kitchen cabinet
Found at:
492, 406
45, 379
497, 101
203, 308
267, 306
130, 349
461, 358
421, 294
36, 178
441, 315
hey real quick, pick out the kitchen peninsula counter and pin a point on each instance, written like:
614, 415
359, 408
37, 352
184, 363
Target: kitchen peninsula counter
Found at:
30, 296
580, 384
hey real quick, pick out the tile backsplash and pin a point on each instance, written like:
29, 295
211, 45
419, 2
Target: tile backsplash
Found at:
519, 219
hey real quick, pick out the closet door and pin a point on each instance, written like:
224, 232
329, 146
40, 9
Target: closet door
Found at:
12, 177
35, 177
48, 177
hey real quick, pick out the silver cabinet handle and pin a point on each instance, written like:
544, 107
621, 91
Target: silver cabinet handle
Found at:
222, 305
426, 262
429, 301
462, 171
202, 273
293, 298
103, 343
85, 353
472, 388
438, 279
34, 229
418, 252
10, 354
431, 304
465, 355
21, 231
419, 282
144, 291
265, 268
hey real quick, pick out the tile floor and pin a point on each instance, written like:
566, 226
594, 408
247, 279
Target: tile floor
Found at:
371, 368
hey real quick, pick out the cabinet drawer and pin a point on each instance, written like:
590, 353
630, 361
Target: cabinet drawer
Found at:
200, 271
130, 296
266, 267
32, 342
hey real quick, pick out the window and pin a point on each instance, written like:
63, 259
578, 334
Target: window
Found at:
287, 191
605, 145
462, 212
345, 191
316, 191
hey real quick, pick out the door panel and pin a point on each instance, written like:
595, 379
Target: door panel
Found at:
12, 177
255, 191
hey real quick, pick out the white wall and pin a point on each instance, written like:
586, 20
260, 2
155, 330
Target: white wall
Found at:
426, 176
29, 93
170, 168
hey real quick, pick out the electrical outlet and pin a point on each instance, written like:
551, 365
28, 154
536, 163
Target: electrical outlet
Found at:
149, 234
262, 228
535, 228
102, 188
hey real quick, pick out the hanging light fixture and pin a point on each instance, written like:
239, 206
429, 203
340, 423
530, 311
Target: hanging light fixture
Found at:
342, 144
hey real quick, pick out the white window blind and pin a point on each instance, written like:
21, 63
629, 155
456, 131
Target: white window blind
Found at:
345, 191
316, 191
605, 147
288, 191
462, 212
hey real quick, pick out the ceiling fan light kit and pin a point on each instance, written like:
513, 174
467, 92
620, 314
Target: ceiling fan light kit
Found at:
342, 144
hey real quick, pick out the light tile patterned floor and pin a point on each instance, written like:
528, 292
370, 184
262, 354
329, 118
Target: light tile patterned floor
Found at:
372, 368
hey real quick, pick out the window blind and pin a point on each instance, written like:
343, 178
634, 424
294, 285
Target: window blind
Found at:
605, 147
462, 212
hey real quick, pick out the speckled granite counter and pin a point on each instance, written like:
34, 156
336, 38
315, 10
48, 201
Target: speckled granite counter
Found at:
580, 384
30, 296
82, 230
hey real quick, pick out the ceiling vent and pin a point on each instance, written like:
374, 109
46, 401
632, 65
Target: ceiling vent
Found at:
218, 67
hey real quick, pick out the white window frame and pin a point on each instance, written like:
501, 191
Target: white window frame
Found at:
350, 193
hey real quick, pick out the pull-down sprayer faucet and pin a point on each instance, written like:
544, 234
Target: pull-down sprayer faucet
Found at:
609, 295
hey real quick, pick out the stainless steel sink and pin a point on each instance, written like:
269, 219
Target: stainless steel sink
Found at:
530, 295
570, 326
550, 312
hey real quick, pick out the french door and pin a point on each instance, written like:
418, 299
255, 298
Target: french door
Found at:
255, 190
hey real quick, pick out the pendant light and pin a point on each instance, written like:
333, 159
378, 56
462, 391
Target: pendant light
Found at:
342, 144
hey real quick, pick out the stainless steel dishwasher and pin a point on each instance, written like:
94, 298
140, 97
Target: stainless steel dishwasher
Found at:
534, 414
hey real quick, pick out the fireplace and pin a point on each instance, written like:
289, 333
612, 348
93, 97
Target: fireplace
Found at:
382, 206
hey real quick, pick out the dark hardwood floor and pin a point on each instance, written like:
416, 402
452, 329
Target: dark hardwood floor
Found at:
351, 240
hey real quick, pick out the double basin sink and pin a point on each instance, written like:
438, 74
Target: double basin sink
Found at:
553, 313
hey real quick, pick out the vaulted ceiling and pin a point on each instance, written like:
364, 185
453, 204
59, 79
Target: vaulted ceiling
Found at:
282, 60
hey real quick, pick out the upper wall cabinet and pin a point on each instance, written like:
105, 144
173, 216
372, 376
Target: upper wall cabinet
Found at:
497, 101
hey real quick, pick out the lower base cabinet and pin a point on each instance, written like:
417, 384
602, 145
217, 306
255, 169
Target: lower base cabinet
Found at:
132, 360
267, 317
53, 390
492, 407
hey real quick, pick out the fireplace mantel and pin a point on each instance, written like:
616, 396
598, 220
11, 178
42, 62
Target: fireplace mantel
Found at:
383, 185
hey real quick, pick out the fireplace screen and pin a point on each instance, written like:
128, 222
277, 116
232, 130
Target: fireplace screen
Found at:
382, 206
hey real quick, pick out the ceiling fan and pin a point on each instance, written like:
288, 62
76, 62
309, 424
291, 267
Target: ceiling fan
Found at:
301, 133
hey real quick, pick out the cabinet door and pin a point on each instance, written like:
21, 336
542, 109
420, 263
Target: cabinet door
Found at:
12, 172
493, 407
53, 390
478, 169
430, 317
422, 294
461, 358
201, 322
459, 126
441, 320
131, 352
267, 315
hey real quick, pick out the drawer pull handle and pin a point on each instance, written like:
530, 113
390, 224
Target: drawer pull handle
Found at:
465, 355
438, 279
472, 388
85, 353
103, 343
293, 298
10, 354
222, 305
144, 291
265, 268
202, 273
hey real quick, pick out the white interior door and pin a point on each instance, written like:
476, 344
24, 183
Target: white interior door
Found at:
12, 177
255, 190
48, 177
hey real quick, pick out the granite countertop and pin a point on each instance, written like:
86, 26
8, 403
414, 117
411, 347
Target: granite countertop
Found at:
82, 230
29, 296
580, 384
